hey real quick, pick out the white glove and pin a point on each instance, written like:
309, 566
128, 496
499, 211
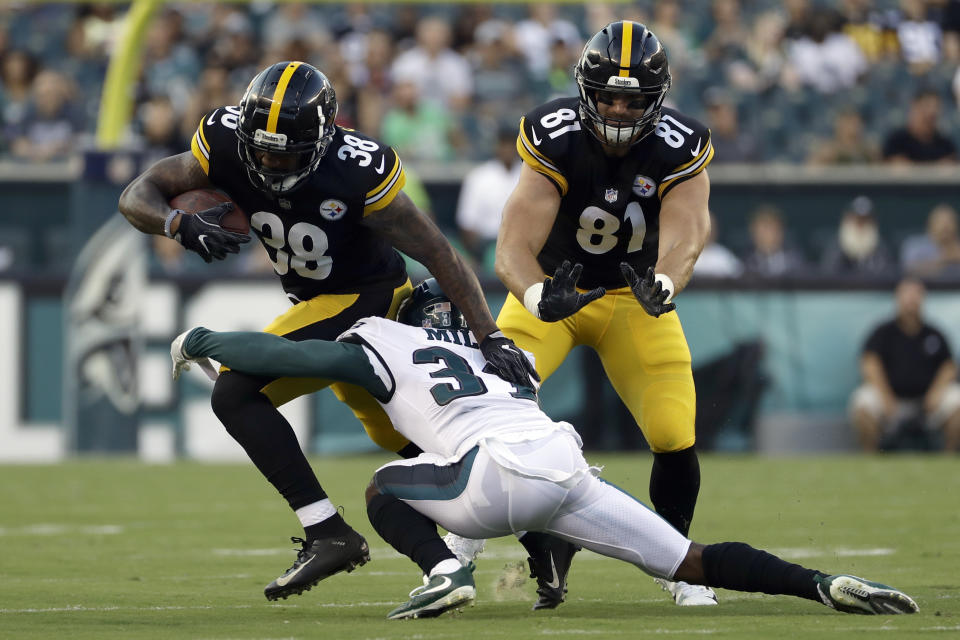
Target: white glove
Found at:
182, 360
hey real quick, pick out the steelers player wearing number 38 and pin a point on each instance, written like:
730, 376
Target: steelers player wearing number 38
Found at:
326, 203
616, 183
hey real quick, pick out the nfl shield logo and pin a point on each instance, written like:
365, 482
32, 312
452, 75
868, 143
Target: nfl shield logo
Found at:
610, 195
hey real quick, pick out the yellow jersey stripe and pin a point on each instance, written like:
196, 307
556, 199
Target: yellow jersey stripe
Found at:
699, 165
278, 96
530, 156
389, 179
200, 148
626, 44
386, 197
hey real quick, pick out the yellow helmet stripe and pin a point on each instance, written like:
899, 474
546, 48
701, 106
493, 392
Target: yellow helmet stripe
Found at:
626, 44
278, 96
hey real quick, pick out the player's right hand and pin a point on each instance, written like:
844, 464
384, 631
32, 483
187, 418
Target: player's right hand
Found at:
202, 233
560, 297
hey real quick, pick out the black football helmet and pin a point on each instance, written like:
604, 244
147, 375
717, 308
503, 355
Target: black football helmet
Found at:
288, 110
428, 306
623, 58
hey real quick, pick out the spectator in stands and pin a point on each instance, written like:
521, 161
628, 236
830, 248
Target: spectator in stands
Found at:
52, 124
540, 31
909, 379
729, 36
17, 72
825, 59
160, 130
950, 25
858, 249
798, 19
484, 192
440, 74
418, 129
920, 141
671, 30
770, 255
935, 254
501, 82
370, 74
173, 65
212, 90
716, 261
730, 142
920, 38
848, 145
872, 30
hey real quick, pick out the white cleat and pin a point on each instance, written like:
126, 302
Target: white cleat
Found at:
466, 549
688, 595
851, 594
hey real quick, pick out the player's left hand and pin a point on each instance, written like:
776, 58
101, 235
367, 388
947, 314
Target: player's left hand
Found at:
182, 360
649, 293
510, 362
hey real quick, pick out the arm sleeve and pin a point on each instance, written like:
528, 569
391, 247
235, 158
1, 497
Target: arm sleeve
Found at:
269, 355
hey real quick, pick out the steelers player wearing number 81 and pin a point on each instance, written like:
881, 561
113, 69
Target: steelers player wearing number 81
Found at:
327, 205
616, 183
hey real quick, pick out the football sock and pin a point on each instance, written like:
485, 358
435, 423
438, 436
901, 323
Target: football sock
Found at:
738, 566
251, 419
445, 566
674, 485
332, 527
316, 513
408, 531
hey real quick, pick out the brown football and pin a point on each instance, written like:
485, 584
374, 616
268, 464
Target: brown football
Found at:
199, 199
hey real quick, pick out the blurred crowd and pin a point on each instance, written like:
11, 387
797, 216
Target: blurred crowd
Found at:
819, 82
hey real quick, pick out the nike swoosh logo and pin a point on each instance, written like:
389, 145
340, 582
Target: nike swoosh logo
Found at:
697, 150
203, 240
380, 168
444, 584
283, 580
212, 119
555, 584
536, 140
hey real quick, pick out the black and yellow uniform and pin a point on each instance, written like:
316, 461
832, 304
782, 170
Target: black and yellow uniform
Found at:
334, 269
610, 213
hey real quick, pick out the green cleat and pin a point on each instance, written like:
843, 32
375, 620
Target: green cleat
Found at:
851, 594
442, 592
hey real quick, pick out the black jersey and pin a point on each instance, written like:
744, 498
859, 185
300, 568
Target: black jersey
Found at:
313, 235
610, 207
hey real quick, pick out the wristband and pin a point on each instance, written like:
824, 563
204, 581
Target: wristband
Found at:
667, 284
531, 298
169, 221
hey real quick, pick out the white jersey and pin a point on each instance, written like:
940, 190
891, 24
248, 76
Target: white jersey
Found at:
439, 395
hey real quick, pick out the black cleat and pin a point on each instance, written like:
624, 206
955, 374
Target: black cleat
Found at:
549, 564
318, 559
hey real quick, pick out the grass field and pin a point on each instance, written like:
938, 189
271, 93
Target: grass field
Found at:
117, 549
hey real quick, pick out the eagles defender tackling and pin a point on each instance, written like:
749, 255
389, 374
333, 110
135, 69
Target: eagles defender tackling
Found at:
495, 464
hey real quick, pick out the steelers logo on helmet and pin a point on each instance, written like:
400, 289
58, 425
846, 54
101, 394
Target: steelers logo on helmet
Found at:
624, 65
429, 307
286, 124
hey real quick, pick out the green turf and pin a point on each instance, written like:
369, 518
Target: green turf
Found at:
117, 549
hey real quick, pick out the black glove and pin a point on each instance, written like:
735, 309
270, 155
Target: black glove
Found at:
560, 297
202, 233
648, 292
510, 362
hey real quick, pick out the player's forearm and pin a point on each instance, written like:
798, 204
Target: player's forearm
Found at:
145, 207
460, 284
677, 263
264, 354
518, 268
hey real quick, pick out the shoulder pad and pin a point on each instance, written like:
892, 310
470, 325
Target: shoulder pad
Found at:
375, 168
546, 134
214, 135
683, 143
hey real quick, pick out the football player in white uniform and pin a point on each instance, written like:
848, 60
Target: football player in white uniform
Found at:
495, 464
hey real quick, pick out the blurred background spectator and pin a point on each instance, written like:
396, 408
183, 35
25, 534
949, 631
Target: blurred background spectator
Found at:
858, 249
730, 142
770, 255
920, 139
848, 145
936, 253
716, 260
483, 194
51, 123
909, 389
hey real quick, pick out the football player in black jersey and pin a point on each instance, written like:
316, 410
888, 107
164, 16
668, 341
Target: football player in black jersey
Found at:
326, 203
615, 182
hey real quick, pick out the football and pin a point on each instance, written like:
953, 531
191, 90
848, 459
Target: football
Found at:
200, 199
